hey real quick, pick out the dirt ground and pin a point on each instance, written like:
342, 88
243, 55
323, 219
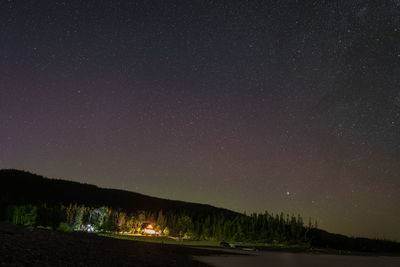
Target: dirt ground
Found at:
29, 246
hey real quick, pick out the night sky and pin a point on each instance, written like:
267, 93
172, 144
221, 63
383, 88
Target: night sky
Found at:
275, 105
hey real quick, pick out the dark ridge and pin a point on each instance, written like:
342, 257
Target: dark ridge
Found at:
21, 187
25, 188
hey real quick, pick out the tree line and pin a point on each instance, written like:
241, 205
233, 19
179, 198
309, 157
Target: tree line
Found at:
263, 227
30, 199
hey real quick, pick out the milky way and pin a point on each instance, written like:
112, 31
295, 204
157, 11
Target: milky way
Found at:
289, 106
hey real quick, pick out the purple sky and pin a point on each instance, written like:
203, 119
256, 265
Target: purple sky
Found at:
289, 106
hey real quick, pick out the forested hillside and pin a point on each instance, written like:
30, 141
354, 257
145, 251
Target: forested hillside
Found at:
58, 204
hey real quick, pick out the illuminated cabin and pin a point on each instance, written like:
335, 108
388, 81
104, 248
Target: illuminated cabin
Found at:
148, 229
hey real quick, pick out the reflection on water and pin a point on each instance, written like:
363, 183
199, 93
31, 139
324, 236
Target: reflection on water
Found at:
281, 259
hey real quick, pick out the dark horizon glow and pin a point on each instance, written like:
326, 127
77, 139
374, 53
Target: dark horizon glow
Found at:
289, 106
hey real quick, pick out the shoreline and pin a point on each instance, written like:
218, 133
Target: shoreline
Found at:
22, 245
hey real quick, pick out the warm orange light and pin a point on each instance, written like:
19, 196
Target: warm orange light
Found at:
149, 226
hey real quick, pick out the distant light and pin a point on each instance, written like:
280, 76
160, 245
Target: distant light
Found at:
149, 231
89, 228
287, 193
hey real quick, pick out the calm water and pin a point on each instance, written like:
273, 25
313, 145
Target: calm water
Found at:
280, 259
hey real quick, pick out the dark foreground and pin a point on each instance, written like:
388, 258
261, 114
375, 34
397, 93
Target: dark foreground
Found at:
28, 246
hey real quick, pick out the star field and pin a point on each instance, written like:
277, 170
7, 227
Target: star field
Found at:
289, 106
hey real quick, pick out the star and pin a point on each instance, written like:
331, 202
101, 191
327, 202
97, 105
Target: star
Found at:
205, 94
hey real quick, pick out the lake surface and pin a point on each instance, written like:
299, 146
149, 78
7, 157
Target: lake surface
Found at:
283, 259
